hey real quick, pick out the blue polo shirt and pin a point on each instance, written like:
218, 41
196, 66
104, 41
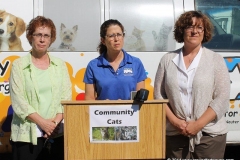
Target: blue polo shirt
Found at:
114, 85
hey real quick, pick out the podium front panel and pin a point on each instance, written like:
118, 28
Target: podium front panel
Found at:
152, 132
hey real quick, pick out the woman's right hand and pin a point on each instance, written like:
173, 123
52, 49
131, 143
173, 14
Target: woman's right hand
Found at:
46, 125
178, 123
181, 126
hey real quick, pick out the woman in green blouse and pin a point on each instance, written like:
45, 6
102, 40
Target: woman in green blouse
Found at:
38, 84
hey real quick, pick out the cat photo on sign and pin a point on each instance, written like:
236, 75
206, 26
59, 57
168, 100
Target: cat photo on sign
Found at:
161, 39
135, 41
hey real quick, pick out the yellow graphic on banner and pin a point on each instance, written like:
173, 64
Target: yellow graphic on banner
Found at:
6, 111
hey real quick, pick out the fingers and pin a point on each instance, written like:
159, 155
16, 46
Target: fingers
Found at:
48, 127
50, 134
192, 128
55, 122
55, 130
187, 128
45, 136
182, 125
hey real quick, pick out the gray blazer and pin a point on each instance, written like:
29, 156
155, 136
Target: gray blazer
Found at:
211, 87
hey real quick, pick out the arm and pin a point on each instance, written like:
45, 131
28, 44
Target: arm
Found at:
178, 123
193, 127
159, 93
66, 85
221, 93
89, 92
57, 122
140, 85
89, 81
220, 103
17, 86
141, 75
58, 118
159, 89
66, 92
46, 125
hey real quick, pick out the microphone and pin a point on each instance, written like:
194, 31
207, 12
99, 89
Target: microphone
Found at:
141, 95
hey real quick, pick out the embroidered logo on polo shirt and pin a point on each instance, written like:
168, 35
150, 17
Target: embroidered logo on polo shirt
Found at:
127, 71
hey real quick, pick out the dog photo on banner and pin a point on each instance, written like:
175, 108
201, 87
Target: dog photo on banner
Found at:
77, 29
13, 21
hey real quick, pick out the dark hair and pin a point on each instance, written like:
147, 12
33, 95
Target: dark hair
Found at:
103, 30
38, 22
185, 20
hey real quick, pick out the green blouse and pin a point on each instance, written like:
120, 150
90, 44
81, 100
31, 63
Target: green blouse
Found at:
25, 95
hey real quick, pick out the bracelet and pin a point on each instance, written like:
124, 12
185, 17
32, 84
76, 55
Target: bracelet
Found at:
56, 123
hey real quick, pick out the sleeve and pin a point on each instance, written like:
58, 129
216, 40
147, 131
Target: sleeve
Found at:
221, 94
88, 76
141, 71
18, 96
159, 90
66, 87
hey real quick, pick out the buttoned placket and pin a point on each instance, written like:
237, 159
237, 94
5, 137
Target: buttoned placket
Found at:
185, 80
185, 85
116, 73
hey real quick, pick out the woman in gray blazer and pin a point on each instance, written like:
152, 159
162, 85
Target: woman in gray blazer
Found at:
196, 82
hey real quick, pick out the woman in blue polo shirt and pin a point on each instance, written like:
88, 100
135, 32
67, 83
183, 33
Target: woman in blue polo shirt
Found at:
115, 73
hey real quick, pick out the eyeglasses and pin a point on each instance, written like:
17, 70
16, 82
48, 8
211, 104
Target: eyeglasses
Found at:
39, 35
112, 36
199, 29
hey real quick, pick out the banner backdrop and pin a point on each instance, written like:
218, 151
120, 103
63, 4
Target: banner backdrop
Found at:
88, 39
77, 62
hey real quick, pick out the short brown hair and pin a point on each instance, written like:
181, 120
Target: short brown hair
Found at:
185, 20
38, 22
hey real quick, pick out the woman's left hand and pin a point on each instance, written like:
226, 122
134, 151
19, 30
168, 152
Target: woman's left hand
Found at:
193, 127
54, 133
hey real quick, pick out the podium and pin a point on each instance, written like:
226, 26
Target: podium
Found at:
152, 132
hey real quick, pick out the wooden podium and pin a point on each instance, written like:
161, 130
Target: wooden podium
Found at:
152, 132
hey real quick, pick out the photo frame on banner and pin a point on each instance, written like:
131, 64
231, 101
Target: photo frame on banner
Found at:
22, 12
77, 24
114, 124
148, 24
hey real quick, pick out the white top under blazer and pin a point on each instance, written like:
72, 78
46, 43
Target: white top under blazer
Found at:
185, 79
